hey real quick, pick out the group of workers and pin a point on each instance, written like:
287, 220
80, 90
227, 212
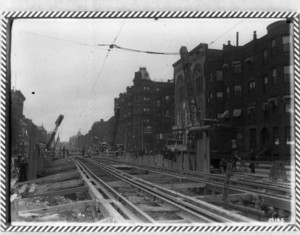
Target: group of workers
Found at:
235, 158
20, 168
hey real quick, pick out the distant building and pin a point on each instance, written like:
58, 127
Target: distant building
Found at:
25, 135
145, 113
18, 130
101, 131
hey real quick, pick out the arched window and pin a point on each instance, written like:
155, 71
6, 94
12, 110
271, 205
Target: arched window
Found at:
198, 79
180, 87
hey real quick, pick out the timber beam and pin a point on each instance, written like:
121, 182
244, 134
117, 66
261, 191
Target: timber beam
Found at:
60, 192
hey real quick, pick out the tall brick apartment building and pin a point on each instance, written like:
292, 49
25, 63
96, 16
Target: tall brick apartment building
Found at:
145, 113
249, 87
25, 135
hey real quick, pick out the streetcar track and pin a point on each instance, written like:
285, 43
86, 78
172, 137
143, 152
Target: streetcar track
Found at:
189, 208
282, 192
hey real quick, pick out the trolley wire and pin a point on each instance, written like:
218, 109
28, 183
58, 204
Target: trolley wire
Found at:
225, 33
111, 46
100, 72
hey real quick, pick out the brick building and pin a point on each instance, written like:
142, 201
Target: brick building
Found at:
18, 130
145, 113
25, 135
101, 131
197, 158
249, 88
246, 91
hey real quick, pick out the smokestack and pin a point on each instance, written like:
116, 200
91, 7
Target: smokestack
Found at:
254, 35
237, 39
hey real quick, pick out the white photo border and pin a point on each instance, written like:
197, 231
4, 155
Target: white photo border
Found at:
6, 27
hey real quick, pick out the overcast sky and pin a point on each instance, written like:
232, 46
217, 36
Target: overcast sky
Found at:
59, 68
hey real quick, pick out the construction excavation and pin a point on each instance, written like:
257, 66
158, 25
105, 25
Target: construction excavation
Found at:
211, 142
102, 189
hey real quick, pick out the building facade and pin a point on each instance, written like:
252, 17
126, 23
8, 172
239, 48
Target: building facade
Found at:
145, 113
249, 88
25, 135
101, 131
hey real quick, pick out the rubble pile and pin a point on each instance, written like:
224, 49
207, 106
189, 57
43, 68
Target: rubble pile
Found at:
88, 214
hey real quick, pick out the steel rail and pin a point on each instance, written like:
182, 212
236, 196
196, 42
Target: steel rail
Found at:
141, 216
216, 214
194, 217
207, 179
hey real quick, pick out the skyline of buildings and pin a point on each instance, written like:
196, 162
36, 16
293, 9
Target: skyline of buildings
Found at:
243, 86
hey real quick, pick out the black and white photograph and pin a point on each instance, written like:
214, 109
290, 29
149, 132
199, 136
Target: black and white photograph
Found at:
152, 121
149, 120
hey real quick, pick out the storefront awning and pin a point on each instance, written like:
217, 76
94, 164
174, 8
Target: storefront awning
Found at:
273, 100
249, 60
237, 112
236, 62
200, 128
225, 114
287, 97
225, 66
179, 148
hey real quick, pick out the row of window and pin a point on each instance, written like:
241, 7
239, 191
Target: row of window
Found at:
237, 92
185, 118
287, 135
268, 108
146, 88
274, 75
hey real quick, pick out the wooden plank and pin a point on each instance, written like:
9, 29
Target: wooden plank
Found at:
104, 206
53, 170
32, 188
55, 178
157, 208
23, 188
132, 217
109, 211
119, 184
61, 161
180, 221
184, 185
231, 197
61, 208
150, 176
61, 192
280, 203
66, 184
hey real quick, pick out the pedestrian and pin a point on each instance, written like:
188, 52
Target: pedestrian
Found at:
235, 158
83, 151
252, 161
223, 165
64, 151
23, 166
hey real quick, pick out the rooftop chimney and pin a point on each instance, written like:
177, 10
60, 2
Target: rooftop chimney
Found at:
237, 39
254, 35
229, 43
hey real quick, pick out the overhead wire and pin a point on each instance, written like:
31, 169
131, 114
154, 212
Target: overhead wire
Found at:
225, 33
111, 46
101, 69
61, 39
